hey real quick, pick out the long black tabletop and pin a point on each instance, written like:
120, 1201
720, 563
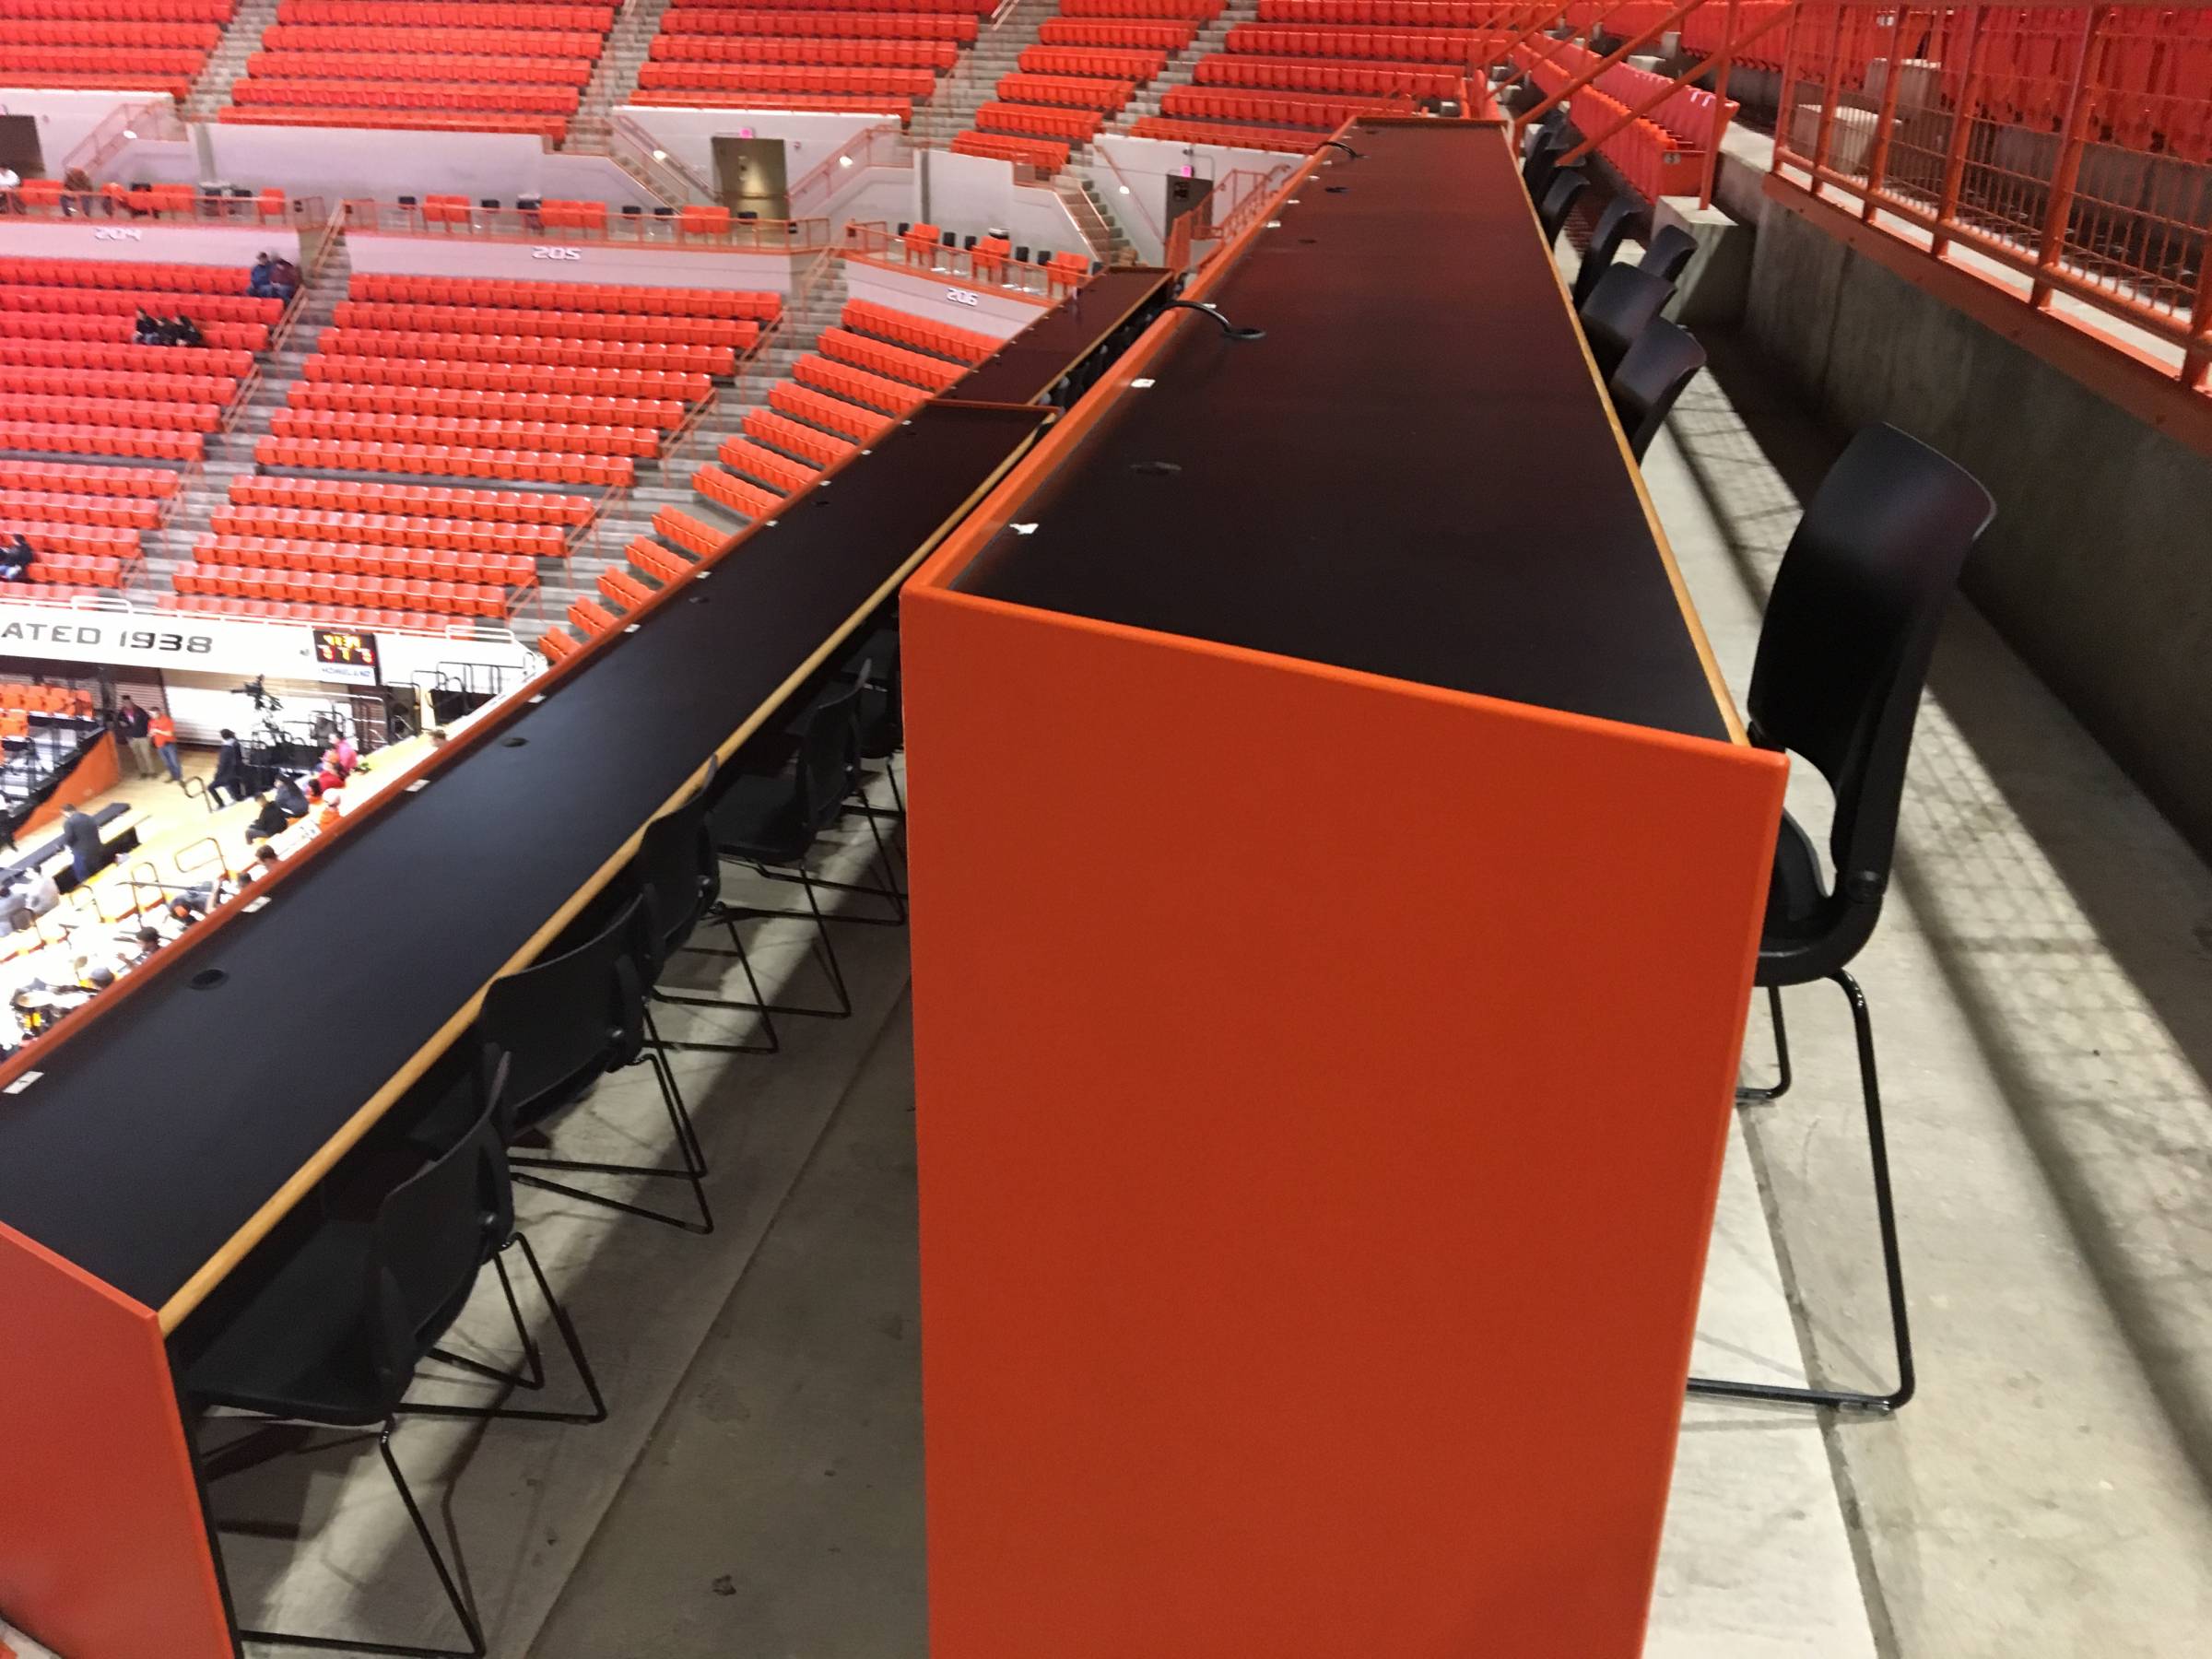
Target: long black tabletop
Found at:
1028, 365
1413, 472
138, 1152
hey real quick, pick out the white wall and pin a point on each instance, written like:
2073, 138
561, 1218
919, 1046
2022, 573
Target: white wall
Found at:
622, 263
973, 193
980, 311
338, 162
144, 241
809, 138
64, 118
1147, 164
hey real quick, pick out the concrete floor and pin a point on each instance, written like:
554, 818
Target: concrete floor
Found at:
2042, 993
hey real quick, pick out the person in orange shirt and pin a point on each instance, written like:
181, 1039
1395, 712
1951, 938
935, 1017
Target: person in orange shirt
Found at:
162, 732
327, 820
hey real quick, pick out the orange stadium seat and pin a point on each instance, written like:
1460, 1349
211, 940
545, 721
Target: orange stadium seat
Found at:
1206, 132
959, 28
932, 373
1071, 126
778, 472
965, 346
1046, 155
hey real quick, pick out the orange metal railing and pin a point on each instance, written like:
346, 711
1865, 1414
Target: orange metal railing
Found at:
561, 223
2064, 153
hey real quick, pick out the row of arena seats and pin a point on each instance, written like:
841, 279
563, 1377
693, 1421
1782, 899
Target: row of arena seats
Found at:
51, 593
19, 506
125, 11
105, 274
1073, 91
552, 129
981, 8
567, 512
869, 54
142, 201
448, 97
141, 483
1266, 109
1360, 80
218, 389
553, 352
126, 358
856, 386
448, 14
143, 413
1046, 155
399, 316
423, 596
44, 700
660, 76
392, 530
116, 330
493, 43
1147, 35
203, 307
66, 570
1206, 132
735, 18
48, 438
770, 468
444, 460
1038, 121
1651, 159
1126, 64
960, 346
1402, 45
1201, 11
535, 437
408, 65
494, 377
91, 31
1391, 14
328, 612
259, 552
85, 540
419, 403
823, 102
744, 304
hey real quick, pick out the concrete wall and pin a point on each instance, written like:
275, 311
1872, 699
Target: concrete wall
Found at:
2095, 569
809, 138
338, 162
953, 303
972, 195
64, 118
1132, 175
147, 241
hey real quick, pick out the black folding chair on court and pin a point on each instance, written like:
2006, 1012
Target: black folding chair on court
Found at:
1620, 309
1664, 359
1842, 657
1669, 254
678, 874
772, 822
574, 1015
1560, 198
327, 1324
1604, 244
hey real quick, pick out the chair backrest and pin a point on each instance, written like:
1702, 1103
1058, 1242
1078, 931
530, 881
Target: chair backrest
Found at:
829, 756
580, 1010
1669, 254
435, 1229
676, 874
1536, 170
1542, 127
1560, 196
1663, 360
1849, 627
1624, 300
1604, 244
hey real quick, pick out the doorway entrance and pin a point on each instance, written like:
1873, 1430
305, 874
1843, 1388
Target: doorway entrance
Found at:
19, 147
750, 177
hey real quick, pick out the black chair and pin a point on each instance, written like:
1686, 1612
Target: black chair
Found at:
1539, 165
677, 874
491, 202
1842, 657
904, 225
1619, 310
1669, 254
569, 1018
1604, 244
772, 820
407, 201
632, 210
1664, 359
1552, 121
325, 1326
1021, 254
1560, 198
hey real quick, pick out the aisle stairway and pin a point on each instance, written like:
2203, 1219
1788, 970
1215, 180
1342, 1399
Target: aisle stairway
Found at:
615, 75
996, 54
1212, 38
227, 63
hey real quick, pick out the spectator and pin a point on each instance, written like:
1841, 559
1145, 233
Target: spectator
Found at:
327, 820
257, 279
270, 820
16, 558
147, 329
144, 944
283, 278
135, 727
288, 799
330, 777
345, 754
266, 860
16, 914
230, 769
40, 892
438, 737
88, 853
162, 729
